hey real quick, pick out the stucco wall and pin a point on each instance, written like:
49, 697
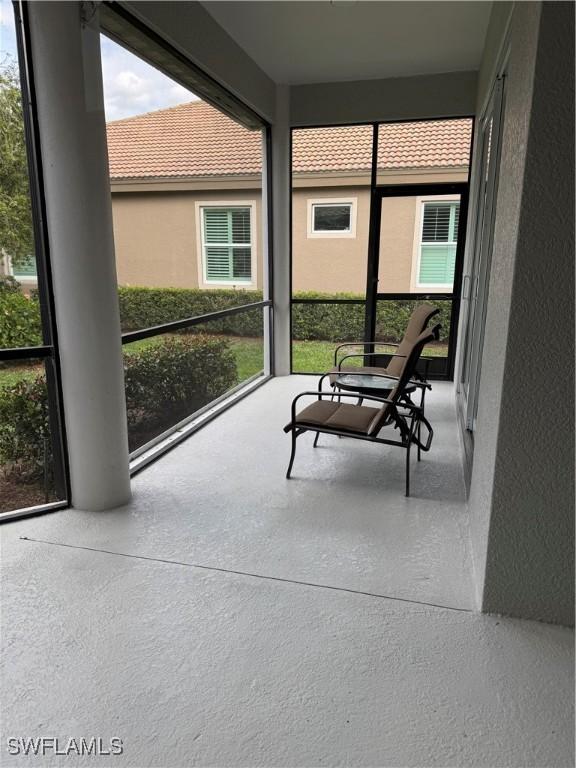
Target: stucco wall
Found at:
156, 236
491, 65
521, 500
530, 559
397, 231
329, 264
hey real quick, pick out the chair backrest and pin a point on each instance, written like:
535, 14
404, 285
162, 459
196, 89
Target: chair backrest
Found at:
419, 319
408, 369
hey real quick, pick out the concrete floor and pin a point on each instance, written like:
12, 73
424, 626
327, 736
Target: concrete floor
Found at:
166, 641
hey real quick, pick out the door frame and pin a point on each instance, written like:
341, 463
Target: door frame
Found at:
374, 294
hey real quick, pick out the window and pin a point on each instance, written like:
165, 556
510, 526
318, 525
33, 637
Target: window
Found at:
331, 218
227, 244
24, 269
438, 241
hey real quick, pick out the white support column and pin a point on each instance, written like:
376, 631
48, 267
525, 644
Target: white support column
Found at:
281, 209
68, 85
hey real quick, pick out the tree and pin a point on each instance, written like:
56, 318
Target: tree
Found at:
16, 233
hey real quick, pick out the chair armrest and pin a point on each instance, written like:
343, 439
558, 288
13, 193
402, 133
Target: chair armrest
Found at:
368, 354
360, 344
406, 406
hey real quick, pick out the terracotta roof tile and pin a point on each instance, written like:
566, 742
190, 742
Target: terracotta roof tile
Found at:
195, 140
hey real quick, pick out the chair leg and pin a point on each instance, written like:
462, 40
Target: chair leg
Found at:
420, 423
408, 467
293, 454
316, 439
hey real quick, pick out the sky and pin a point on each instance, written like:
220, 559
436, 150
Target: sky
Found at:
131, 86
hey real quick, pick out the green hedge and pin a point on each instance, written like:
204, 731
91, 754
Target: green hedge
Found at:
145, 307
24, 429
20, 324
142, 307
164, 383
345, 322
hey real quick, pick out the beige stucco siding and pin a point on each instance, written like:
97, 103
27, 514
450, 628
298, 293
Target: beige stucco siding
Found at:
396, 244
329, 264
158, 243
156, 236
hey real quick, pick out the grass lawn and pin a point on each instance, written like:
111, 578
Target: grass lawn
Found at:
318, 356
248, 352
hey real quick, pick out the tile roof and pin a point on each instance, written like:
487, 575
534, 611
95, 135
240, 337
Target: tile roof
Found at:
196, 140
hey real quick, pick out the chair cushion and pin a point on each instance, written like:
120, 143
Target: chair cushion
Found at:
341, 416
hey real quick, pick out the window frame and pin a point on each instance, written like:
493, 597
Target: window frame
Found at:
203, 281
312, 203
415, 284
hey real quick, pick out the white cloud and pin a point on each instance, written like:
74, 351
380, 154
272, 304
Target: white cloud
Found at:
7, 29
7, 15
132, 87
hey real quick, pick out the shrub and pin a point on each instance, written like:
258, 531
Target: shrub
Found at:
24, 429
20, 324
168, 381
164, 383
145, 307
327, 322
392, 318
9, 284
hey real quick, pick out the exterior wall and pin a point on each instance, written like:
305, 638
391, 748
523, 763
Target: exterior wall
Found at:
481, 448
397, 237
522, 494
156, 236
338, 264
157, 239
329, 264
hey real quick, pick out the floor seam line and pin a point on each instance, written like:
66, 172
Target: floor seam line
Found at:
249, 574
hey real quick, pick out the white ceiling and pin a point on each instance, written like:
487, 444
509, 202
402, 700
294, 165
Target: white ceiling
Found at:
323, 41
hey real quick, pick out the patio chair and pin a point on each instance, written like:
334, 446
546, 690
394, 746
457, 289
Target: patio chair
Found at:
329, 416
419, 320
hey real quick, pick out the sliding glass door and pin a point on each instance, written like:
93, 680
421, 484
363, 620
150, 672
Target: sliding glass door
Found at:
476, 277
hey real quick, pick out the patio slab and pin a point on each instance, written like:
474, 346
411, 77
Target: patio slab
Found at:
200, 668
220, 500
